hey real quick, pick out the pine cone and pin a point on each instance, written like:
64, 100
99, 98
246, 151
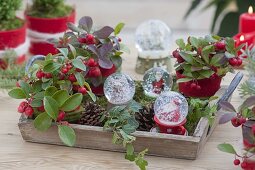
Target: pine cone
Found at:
92, 114
145, 118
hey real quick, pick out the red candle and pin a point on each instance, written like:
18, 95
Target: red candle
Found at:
241, 38
247, 21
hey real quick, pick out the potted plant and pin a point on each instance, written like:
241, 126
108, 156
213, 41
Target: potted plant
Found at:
12, 30
102, 48
244, 117
47, 19
202, 62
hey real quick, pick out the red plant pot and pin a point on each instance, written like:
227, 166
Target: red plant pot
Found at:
177, 130
42, 26
209, 86
12, 39
248, 139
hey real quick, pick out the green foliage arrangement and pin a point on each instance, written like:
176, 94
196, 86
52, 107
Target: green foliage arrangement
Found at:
202, 58
8, 19
229, 18
49, 9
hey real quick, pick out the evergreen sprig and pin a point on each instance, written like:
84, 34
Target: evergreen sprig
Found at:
121, 120
49, 9
8, 18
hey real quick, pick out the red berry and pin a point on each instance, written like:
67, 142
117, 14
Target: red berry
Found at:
119, 39
177, 55
64, 70
236, 162
220, 46
48, 75
17, 84
239, 61
29, 111
199, 51
90, 39
22, 107
91, 62
78, 70
69, 66
72, 78
243, 165
41, 109
61, 116
94, 72
61, 76
82, 90
82, 40
235, 122
233, 61
242, 120
75, 88
193, 85
40, 74
198, 87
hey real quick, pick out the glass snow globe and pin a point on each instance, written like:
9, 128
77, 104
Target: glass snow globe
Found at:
157, 80
171, 109
153, 42
119, 88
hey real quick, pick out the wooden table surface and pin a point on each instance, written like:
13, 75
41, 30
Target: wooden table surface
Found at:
18, 154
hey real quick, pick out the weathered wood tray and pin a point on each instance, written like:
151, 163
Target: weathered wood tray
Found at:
91, 137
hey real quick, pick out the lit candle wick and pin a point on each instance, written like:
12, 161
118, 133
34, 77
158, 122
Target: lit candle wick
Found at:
250, 10
241, 38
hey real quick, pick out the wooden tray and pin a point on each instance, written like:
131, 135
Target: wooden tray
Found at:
92, 137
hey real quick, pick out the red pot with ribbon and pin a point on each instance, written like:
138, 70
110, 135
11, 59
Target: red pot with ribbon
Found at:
207, 87
42, 29
14, 40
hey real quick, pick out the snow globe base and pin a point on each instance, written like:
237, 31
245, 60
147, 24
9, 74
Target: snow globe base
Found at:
144, 64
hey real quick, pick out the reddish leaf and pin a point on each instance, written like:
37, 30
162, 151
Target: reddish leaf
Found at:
248, 102
226, 117
227, 106
104, 33
86, 23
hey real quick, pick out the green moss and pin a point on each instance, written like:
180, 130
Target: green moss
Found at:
49, 9
140, 96
11, 24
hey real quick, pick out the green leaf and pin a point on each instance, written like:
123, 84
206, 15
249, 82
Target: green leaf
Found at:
124, 48
60, 96
225, 147
50, 91
134, 106
80, 78
118, 28
36, 103
194, 42
132, 121
180, 43
130, 149
67, 135
42, 122
72, 102
187, 57
92, 96
51, 107
182, 80
25, 87
63, 51
206, 52
51, 67
117, 60
141, 163
215, 60
39, 95
206, 73
128, 128
17, 93
73, 50
77, 63
115, 137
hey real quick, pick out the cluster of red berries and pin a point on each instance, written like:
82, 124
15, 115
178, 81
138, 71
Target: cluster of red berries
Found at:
94, 70
40, 74
238, 162
195, 86
26, 109
88, 39
61, 116
235, 62
237, 121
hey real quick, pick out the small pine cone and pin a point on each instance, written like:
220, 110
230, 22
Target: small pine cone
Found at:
92, 114
145, 118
